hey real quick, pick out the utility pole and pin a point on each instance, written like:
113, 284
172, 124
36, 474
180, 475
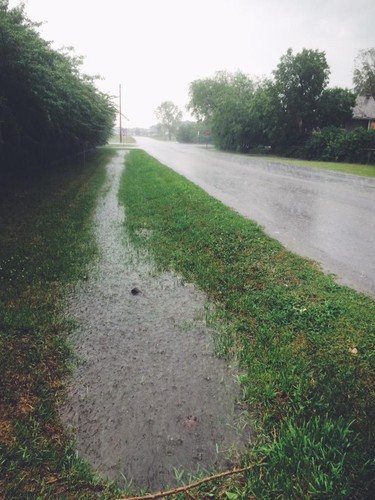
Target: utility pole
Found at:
120, 115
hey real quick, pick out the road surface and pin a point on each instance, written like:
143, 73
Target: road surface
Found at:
326, 216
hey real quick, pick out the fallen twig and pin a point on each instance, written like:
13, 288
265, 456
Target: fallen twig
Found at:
183, 489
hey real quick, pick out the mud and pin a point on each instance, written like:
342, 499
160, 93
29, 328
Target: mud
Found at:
148, 397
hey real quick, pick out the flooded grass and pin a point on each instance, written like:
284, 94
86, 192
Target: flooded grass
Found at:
305, 344
46, 246
149, 397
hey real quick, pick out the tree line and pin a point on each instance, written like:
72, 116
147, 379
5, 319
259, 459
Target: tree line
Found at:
48, 108
293, 113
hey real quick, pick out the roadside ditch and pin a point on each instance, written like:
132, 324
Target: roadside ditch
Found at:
149, 402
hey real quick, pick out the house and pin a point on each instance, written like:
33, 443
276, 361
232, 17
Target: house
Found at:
363, 113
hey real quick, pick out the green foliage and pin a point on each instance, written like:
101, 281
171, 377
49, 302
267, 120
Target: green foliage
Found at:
299, 82
224, 103
230, 122
364, 73
169, 116
204, 95
187, 133
244, 113
48, 109
192, 132
337, 144
306, 460
282, 112
335, 107
304, 344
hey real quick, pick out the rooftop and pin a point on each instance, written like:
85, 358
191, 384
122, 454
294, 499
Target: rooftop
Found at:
364, 108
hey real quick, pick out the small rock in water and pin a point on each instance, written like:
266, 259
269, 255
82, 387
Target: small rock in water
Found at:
135, 291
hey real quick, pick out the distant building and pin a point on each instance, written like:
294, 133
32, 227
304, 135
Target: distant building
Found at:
363, 113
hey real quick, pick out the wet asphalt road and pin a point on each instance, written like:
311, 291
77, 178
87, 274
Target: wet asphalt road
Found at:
326, 216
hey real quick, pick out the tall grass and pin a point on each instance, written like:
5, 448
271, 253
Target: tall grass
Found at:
47, 245
304, 344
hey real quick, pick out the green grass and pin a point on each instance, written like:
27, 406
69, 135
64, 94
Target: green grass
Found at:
304, 344
345, 168
47, 245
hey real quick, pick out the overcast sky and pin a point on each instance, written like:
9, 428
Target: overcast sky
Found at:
155, 48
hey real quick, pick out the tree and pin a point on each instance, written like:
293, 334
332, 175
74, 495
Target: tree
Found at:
48, 109
205, 95
189, 132
230, 121
223, 104
282, 112
169, 116
299, 82
335, 107
364, 73
263, 111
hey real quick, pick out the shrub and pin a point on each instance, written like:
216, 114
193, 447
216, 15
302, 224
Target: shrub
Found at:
337, 144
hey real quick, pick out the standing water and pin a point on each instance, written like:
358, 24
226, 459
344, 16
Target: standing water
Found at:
149, 398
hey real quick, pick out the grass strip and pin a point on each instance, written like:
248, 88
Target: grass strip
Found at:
47, 245
344, 168
304, 344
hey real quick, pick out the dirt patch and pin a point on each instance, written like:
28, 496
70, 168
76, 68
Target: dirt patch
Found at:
149, 396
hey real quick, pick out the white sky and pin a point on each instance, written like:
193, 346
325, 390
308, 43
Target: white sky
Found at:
155, 48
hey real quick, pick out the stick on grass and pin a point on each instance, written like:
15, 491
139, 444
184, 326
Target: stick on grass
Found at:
184, 489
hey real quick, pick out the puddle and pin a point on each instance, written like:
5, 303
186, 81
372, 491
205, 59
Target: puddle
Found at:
148, 397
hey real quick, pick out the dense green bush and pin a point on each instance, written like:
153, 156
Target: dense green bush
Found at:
48, 109
337, 144
193, 133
